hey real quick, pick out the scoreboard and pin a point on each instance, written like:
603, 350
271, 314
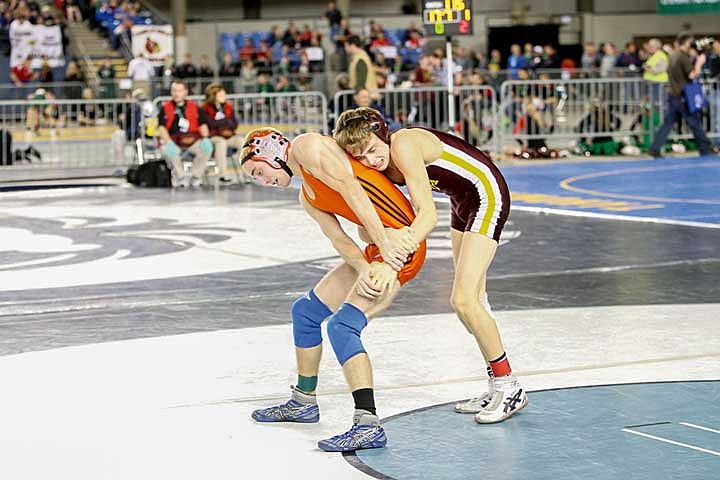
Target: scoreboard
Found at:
447, 17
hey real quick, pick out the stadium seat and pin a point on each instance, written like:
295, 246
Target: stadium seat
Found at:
227, 43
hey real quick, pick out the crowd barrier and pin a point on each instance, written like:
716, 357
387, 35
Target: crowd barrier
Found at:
557, 112
90, 133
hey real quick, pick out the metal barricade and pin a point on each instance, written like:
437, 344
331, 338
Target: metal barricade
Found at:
475, 109
560, 113
292, 113
554, 112
68, 134
61, 90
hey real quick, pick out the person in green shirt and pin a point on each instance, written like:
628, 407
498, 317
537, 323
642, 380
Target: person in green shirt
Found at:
264, 84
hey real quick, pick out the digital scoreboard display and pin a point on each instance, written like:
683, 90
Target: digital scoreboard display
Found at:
447, 17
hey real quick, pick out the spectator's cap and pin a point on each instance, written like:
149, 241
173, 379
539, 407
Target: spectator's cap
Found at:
138, 94
538, 49
40, 91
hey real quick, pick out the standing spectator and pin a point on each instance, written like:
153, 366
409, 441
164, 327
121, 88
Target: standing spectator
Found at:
340, 39
360, 70
106, 73
186, 69
247, 52
629, 58
656, 71
274, 35
589, 59
550, 58
608, 60
19, 31
182, 125
222, 123
515, 61
495, 62
141, 71
290, 37
306, 36
334, 17
22, 73
681, 71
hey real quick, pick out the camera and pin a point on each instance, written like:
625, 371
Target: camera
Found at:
704, 45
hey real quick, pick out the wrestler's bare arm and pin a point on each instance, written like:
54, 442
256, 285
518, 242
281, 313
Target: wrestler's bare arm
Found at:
341, 241
327, 162
408, 151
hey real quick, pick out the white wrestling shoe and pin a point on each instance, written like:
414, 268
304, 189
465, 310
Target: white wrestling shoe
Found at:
508, 399
474, 405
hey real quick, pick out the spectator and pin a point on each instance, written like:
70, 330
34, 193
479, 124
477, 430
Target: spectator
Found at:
380, 41
590, 59
608, 60
90, 113
528, 52
360, 70
629, 57
106, 74
274, 35
681, 71
495, 62
714, 72
284, 85
515, 61
248, 76
205, 72
598, 120
550, 58
222, 123
263, 52
72, 11
290, 37
415, 40
264, 85
22, 73
141, 71
186, 69
184, 126
50, 113
73, 74
306, 36
408, 34
228, 68
334, 17
19, 28
656, 71
46, 74
247, 52
166, 72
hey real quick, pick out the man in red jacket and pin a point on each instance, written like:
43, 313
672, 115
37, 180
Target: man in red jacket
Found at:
182, 125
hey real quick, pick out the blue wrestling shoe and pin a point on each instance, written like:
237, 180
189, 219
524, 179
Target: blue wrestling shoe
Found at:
366, 432
301, 408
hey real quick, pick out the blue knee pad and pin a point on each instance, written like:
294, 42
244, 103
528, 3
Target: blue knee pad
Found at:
344, 329
308, 313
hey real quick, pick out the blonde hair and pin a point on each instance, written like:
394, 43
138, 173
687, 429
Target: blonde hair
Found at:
354, 127
254, 133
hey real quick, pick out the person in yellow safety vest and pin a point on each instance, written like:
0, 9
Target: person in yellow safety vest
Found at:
655, 71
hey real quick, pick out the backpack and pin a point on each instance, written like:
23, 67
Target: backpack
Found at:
150, 174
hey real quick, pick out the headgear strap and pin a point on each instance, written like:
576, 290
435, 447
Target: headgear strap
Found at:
271, 148
380, 128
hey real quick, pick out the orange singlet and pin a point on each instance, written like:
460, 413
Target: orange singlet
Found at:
393, 208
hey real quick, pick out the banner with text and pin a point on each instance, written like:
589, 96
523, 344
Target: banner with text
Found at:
154, 41
684, 7
37, 42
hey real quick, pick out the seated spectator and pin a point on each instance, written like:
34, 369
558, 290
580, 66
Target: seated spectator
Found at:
106, 74
73, 74
265, 65
599, 120
550, 57
46, 75
414, 40
284, 85
274, 36
380, 41
495, 62
23, 73
222, 123
248, 76
362, 98
247, 52
515, 61
50, 113
182, 125
291, 35
72, 11
90, 113
408, 33
228, 68
186, 69
306, 36
264, 85
204, 69
263, 52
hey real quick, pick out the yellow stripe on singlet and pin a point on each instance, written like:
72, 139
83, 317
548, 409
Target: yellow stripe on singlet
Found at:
455, 160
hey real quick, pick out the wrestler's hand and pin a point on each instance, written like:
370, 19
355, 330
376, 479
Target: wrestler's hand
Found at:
403, 237
366, 285
382, 275
393, 254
